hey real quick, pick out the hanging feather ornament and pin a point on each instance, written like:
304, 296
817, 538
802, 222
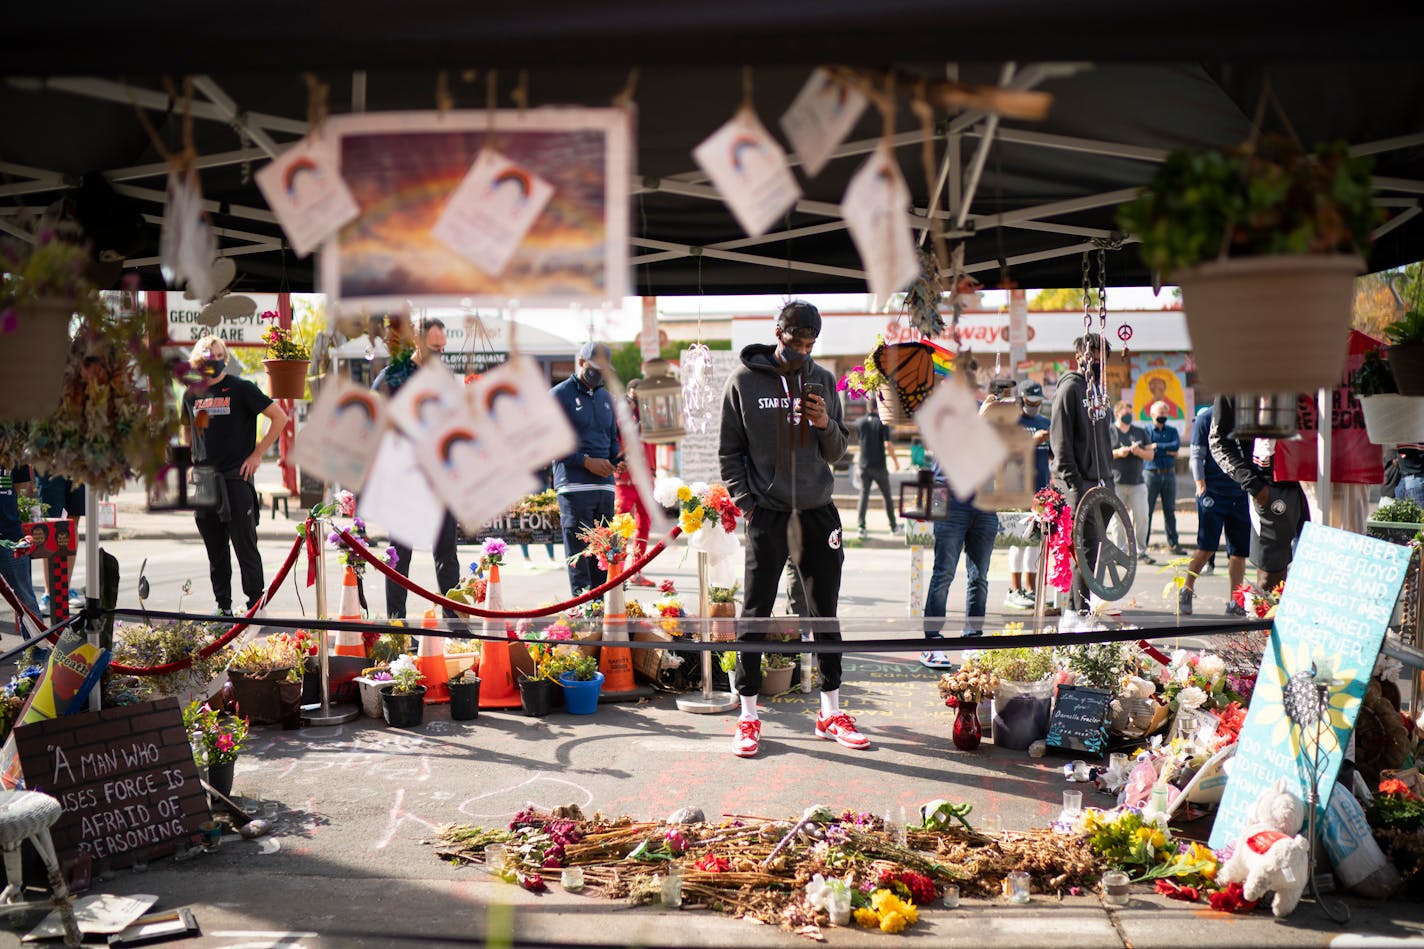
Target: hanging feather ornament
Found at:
922, 300
699, 400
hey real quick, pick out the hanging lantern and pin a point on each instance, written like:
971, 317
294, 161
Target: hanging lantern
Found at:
923, 500
1266, 415
660, 403
1011, 487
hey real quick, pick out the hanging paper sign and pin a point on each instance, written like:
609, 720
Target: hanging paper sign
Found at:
964, 443
425, 399
470, 470
398, 496
750, 170
339, 440
490, 212
187, 246
526, 420
820, 117
1327, 634
874, 209
303, 187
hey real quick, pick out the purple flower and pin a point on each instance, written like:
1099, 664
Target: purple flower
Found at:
9, 320
333, 539
359, 524
494, 547
391, 557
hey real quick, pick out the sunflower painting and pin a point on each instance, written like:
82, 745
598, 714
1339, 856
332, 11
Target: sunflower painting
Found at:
1328, 629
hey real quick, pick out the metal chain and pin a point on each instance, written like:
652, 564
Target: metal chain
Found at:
1087, 312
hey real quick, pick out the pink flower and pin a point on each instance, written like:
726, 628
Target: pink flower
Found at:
271, 315
224, 742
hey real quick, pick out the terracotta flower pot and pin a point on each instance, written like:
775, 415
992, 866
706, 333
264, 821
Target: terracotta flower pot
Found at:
33, 357
726, 630
288, 377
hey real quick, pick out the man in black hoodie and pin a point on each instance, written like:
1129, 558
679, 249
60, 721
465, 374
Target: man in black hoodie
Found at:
1082, 451
780, 436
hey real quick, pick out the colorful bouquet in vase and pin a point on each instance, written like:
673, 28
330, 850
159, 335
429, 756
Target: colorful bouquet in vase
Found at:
607, 543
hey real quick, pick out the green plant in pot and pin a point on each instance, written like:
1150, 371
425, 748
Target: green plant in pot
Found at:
1390, 418
777, 671
1023, 694
1406, 347
1265, 241
216, 739
286, 363
403, 701
267, 680
582, 683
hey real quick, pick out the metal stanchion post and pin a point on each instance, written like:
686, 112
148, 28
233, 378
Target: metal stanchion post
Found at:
93, 621
708, 702
324, 714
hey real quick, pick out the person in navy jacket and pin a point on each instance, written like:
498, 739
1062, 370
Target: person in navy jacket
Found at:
583, 480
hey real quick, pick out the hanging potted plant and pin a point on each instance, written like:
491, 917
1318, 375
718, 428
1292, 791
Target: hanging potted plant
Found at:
1265, 241
286, 363
1390, 418
38, 292
216, 741
1406, 348
582, 682
403, 701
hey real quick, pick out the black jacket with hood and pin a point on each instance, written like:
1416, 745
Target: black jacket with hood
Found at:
1082, 449
767, 461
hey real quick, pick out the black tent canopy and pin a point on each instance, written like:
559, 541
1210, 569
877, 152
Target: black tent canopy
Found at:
1032, 194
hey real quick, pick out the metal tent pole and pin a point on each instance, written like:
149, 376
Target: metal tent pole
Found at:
92, 604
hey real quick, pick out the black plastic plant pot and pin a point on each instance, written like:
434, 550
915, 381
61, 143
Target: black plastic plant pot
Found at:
403, 711
464, 700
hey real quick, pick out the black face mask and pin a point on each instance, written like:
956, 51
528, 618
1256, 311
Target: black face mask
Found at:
791, 359
1160, 422
1125, 419
592, 377
210, 368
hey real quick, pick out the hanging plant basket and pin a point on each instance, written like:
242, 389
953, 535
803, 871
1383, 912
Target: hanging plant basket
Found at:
288, 377
1394, 419
891, 411
1406, 361
1270, 324
34, 349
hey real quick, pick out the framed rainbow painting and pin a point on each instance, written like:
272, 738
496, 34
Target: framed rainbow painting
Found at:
403, 168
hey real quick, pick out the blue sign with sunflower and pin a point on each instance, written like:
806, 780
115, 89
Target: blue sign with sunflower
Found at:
1328, 631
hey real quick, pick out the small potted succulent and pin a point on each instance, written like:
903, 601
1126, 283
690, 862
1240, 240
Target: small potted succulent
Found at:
1390, 418
1265, 241
582, 683
1406, 348
403, 700
286, 363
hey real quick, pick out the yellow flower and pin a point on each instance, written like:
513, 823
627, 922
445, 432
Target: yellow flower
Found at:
1201, 853
684, 493
893, 922
625, 526
691, 521
867, 918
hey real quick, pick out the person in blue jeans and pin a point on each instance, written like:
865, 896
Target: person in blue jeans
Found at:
969, 531
1161, 474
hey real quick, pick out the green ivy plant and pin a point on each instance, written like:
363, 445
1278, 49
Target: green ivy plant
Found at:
1374, 377
1270, 198
1408, 330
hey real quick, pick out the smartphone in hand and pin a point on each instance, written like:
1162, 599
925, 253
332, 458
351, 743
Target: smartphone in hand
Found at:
816, 389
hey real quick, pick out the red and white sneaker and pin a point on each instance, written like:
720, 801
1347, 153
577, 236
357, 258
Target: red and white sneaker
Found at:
841, 727
641, 581
747, 739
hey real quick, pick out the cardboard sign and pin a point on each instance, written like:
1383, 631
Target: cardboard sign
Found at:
523, 415
338, 443
303, 187
1079, 721
749, 169
490, 212
820, 117
398, 496
124, 776
874, 207
426, 400
963, 441
1328, 630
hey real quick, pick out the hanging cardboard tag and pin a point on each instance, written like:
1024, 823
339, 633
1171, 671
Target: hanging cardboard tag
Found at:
187, 245
398, 496
750, 170
425, 400
470, 470
820, 117
874, 207
523, 416
963, 441
486, 218
304, 188
338, 443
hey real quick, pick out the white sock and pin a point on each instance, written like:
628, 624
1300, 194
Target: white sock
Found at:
749, 707
830, 702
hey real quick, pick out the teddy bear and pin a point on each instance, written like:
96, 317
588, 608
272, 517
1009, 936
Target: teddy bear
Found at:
1270, 854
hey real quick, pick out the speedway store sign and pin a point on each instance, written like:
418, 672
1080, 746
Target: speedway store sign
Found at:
850, 334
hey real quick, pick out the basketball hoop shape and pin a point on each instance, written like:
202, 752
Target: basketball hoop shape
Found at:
1102, 518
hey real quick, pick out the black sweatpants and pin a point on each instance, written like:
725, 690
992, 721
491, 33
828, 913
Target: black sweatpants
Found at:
821, 559
1079, 597
447, 569
240, 529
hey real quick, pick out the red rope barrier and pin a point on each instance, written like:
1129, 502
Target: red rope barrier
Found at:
392, 573
180, 664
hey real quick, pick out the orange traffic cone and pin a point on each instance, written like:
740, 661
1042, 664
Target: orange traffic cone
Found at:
430, 660
497, 688
616, 662
348, 642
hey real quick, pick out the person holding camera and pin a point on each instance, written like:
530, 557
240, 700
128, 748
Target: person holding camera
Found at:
780, 436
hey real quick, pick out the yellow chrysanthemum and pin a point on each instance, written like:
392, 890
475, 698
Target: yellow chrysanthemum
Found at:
867, 918
624, 525
691, 521
893, 922
684, 493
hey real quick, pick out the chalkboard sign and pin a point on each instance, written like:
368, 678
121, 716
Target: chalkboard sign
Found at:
1079, 719
124, 776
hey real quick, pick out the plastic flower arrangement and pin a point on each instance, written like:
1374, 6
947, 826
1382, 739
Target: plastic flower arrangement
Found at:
281, 345
970, 683
348, 556
1056, 515
865, 378
216, 738
607, 542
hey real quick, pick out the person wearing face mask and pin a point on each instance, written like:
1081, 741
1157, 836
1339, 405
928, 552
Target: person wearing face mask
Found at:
583, 479
1082, 452
222, 420
781, 433
1130, 445
1161, 471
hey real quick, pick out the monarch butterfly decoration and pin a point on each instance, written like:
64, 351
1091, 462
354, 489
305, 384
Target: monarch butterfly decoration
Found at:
912, 369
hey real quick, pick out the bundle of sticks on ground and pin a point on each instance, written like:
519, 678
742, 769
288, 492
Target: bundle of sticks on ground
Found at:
759, 867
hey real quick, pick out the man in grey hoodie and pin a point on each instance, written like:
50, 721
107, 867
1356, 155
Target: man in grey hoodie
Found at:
781, 432
1082, 451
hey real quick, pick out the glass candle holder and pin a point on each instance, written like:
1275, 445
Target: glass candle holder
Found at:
1018, 887
991, 824
1115, 888
672, 889
838, 905
951, 897
571, 879
1072, 804
494, 858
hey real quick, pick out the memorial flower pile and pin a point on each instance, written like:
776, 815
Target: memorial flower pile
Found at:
1199, 680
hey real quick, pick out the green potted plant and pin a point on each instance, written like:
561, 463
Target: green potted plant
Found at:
159, 643
582, 682
777, 670
1406, 348
403, 700
1398, 521
267, 680
1390, 418
1023, 692
216, 741
1265, 241
465, 696
722, 609
286, 363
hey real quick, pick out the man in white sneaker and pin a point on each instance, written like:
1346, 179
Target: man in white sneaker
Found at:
781, 432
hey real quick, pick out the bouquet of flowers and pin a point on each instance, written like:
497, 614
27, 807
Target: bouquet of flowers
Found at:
865, 378
1199, 680
970, 683
698, 503
347, 556
492, 553
607, 542
1253, 601
216, 738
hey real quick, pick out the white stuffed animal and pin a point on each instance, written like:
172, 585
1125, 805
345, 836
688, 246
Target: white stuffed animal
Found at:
1271, 855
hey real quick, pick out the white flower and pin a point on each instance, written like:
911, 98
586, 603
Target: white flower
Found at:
1183, 673
1191, 698
699, 488
401, 663
1179, 659
665, 490
1212, 667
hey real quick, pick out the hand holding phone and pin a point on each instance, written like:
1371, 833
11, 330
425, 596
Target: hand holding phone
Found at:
814, 388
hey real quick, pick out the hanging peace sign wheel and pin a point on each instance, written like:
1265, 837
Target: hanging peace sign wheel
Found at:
1103, 537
